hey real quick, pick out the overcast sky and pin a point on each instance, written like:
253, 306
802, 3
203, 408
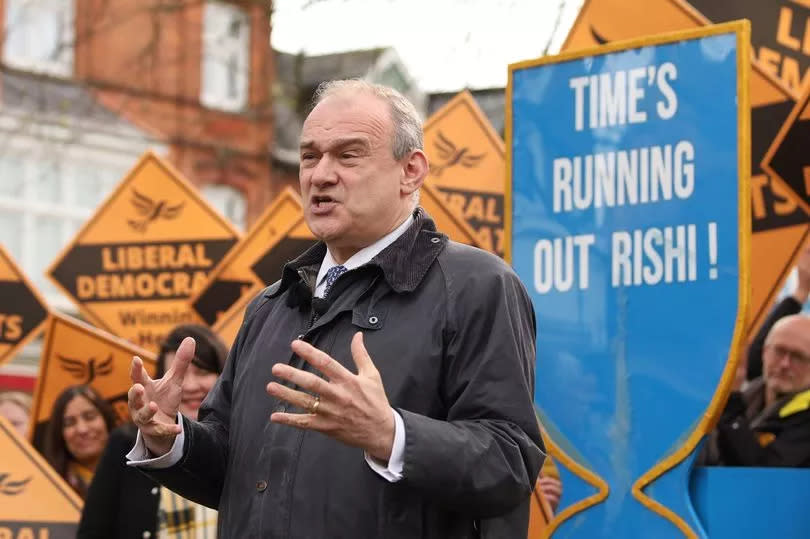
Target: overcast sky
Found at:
446, 45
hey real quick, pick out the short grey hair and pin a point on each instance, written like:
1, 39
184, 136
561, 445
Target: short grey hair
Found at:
407, 124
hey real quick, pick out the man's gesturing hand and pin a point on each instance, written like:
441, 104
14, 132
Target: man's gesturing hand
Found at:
352, 408
153, 404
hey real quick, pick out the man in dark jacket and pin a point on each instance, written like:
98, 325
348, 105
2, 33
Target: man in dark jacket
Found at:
383, 387
768, 424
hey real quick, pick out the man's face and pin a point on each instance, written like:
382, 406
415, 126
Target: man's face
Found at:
786, 358
350, 181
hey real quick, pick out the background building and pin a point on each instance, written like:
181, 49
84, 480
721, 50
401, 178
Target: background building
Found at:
86, 86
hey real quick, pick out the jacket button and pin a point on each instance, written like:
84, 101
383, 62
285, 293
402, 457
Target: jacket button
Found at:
300, 337
261, 486
373, 320
155, 491
146, 535
435, 240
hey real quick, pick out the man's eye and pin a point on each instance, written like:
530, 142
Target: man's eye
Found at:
349, 155
798, 357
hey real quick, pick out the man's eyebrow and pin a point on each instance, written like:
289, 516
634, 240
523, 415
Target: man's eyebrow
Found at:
337, 143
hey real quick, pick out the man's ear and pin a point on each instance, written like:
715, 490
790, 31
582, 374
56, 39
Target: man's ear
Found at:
415, 169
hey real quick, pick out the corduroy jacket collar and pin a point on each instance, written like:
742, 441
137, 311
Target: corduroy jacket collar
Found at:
403, 263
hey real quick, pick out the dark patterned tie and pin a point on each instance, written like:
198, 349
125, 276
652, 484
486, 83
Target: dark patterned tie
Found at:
331, 276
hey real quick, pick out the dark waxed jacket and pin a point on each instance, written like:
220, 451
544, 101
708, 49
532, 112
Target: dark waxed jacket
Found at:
451, 330
751, 434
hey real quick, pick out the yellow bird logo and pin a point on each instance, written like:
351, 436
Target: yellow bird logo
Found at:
12, 488
151, 211
90, 370
451, 155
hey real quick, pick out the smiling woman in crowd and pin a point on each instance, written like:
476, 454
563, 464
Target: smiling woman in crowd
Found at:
80, 425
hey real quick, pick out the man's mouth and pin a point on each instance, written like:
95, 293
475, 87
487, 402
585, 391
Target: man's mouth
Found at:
321, 204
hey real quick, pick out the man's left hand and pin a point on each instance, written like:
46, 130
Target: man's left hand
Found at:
351, 408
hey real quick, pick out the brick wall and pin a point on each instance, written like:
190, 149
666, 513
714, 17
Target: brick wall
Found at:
144, 58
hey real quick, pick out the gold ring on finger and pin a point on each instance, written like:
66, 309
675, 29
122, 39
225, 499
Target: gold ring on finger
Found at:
313, 408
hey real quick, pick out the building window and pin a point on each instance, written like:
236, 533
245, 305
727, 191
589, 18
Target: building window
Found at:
225, 57
229, 201
39, 36
43, 203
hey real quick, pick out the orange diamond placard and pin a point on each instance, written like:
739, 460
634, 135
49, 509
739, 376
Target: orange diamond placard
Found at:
779, 33
146, 250
446, 220
227, 326
787, 158
35, 501
75, 353
467, 167
277, 236
22, 310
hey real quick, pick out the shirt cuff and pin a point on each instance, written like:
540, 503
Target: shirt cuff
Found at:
140, 457
393, 471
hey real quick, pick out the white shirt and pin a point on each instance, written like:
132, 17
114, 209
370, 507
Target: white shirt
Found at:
139, 455
363, 256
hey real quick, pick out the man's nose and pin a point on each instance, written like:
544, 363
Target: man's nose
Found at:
325, 172
785, 360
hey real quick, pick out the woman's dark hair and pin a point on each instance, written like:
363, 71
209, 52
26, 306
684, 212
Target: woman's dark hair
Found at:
209, 355
55, 449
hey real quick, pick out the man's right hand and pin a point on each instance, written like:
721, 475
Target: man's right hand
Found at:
153, 404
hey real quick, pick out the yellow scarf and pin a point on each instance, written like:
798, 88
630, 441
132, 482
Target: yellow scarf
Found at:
179, 518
